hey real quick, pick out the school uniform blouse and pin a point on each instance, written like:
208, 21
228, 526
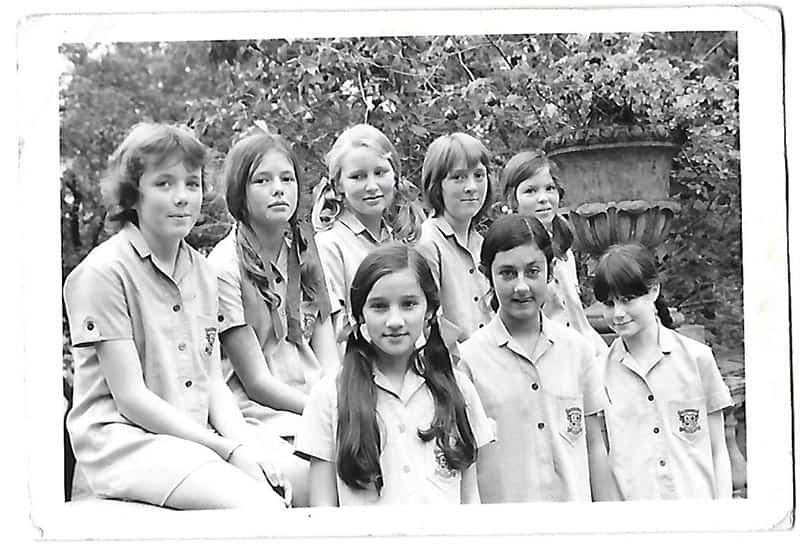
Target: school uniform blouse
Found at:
463, 290
119, 293
341, 249
240, 304
555, 304
538, 403
657, 419
414, 472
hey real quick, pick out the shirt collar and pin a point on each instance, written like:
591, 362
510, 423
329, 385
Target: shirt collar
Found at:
412, 382
497, 329
474, 240
135, 237
353, 223
666, 342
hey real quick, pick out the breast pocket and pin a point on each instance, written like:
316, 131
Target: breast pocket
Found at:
569, 415
208, 335
688, 419
439, 472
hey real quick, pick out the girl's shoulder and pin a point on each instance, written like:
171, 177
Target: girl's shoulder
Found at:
223, 256
691, 347
332, 233
108, 258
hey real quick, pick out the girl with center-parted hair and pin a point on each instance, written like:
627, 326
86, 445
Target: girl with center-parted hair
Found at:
536, 378
275, 324
665, 421
397, 425
455, 181
362, 204
152, 419
530, 186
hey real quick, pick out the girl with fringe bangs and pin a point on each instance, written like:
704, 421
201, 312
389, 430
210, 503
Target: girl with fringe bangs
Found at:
398, 425
537, 379
364, 202
455, 181
666, 396
275, 319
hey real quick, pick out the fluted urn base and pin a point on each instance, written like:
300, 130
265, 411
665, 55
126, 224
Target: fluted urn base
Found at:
600, 225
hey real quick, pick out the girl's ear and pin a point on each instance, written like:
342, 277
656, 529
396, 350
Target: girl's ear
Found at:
511, 200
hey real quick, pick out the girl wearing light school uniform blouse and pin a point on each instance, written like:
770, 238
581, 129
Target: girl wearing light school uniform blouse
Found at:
455, 181
275, 331
530, 186
398, 425
152, 419
364, 203
666, 434
535, 378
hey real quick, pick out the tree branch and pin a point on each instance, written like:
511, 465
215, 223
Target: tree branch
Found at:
499, 50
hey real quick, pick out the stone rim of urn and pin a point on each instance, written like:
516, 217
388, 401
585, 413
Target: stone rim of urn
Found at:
617, 183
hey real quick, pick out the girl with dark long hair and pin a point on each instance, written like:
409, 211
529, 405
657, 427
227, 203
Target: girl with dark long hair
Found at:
398, 425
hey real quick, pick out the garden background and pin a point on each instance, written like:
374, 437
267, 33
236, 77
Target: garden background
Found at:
511, 91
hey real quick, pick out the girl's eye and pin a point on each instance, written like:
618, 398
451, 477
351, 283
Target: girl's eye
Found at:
533, 272
480, 174
626, 299
258, 180
193, 183
608, 303
410, 304
378, 306
507, 274
288, 179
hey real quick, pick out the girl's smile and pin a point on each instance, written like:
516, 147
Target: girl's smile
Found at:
519, 277
538, 196
170, 196
367, 181
394, 314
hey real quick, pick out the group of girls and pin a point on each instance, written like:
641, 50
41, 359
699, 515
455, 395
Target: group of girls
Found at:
382, 357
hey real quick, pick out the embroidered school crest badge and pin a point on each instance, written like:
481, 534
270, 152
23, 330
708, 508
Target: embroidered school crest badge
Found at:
443, 468
211, 336
574, 420
689, 419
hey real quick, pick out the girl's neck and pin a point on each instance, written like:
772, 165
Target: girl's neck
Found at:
394, 367
460, 227
373, 223
525, 331
270, 238
643, 345
164, 251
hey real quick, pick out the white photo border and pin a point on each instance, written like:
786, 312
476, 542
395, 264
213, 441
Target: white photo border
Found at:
766, 301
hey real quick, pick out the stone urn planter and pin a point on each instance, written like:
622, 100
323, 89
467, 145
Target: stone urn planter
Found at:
617, 181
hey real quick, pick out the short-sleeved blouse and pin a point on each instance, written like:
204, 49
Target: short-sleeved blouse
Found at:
413, 471
463, 289
240, 304
118, 293
341, 248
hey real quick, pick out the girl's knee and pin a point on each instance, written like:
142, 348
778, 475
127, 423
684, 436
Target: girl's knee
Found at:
222, 486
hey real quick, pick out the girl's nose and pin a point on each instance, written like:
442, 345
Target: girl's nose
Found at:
521, 286
394, 320
619, 309
181, 197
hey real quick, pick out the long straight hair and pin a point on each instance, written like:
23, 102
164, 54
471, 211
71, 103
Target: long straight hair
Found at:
629, 270
358, 445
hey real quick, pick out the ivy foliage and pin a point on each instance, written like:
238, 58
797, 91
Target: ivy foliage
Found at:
511, 91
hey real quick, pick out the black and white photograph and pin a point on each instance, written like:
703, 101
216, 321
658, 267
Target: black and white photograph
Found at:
406, 272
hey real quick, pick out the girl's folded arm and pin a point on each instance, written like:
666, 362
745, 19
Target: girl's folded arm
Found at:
469, 486
322, 483
122, 370
600, 477
323, 344
247, 359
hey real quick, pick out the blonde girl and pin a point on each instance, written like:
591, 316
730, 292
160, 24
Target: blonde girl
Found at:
530, 186
152, 419
397, 425
455, 182
364, 203
275, 323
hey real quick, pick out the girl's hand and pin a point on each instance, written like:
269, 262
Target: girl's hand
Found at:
260, 468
